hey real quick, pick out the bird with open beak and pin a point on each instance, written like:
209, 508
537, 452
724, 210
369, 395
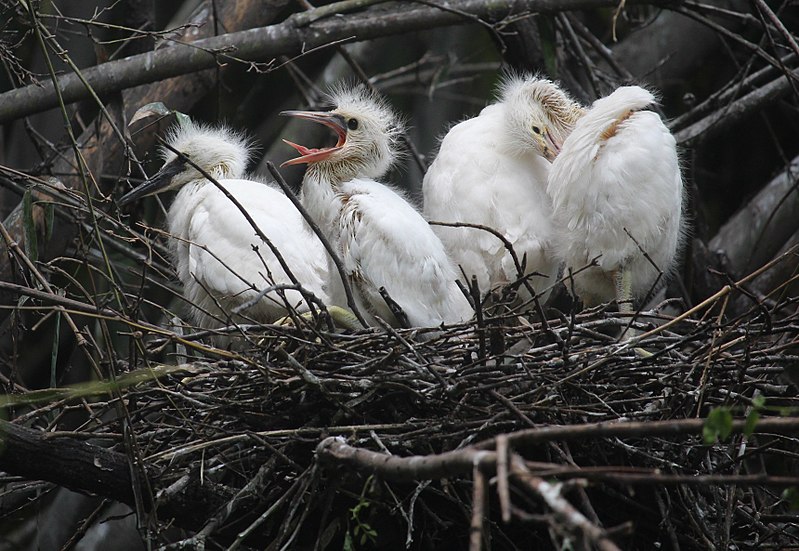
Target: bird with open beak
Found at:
383, 241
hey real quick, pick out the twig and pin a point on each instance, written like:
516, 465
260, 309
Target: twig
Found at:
564, 511
502, 477
476, 534
323, 238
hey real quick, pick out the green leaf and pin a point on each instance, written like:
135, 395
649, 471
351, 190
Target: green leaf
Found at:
29, 226
759, 401
356, 511
791, 495
751, 422
347, 546
158, 109
718, 425
183, 118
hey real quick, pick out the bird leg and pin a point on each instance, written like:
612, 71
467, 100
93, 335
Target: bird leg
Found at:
624, 298
624, 290
342, 317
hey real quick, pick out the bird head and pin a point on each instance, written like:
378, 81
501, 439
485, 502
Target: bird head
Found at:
540, 115
367, 132
219, 151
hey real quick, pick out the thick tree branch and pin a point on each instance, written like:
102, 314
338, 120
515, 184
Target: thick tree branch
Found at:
91, 469
300, 33
725, 117
755, 233
65, 461
335, 450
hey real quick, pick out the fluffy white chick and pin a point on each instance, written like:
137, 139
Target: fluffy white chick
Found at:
382, 239
492, 170
617, 196
212, 242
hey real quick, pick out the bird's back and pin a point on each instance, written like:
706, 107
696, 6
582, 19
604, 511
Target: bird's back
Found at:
614, 176
201, 218
385, 242
477, 178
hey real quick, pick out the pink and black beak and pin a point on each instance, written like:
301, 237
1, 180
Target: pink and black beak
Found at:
159, 182
553, 146
334, 121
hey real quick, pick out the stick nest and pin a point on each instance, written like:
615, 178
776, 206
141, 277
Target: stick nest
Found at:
247, 430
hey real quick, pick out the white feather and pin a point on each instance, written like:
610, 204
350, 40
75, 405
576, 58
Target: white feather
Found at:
617, 171
490, 171
212, 242
382, 239
385, 242
230, 272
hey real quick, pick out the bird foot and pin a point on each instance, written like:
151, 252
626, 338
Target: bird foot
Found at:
631, 334
342, 317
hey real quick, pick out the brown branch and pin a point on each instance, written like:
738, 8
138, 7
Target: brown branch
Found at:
91, 469
724, 117
756, 232
335, 450
66, 461
479, 502
502, 477
564, 511
300, 33
727, 93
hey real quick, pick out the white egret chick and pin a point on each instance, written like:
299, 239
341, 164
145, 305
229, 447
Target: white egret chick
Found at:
617, 194
382, 240
212, 242
492, 170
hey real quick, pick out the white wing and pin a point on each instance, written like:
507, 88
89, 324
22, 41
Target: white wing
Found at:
385, 242
214, 248
478, 178
618, 172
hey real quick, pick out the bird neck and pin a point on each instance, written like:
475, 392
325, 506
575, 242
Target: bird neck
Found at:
334, 173
319, 189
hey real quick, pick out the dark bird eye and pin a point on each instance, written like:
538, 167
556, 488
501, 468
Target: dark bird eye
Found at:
352, 124
536, 130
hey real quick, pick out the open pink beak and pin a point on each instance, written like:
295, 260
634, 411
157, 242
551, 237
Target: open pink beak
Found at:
333, 121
